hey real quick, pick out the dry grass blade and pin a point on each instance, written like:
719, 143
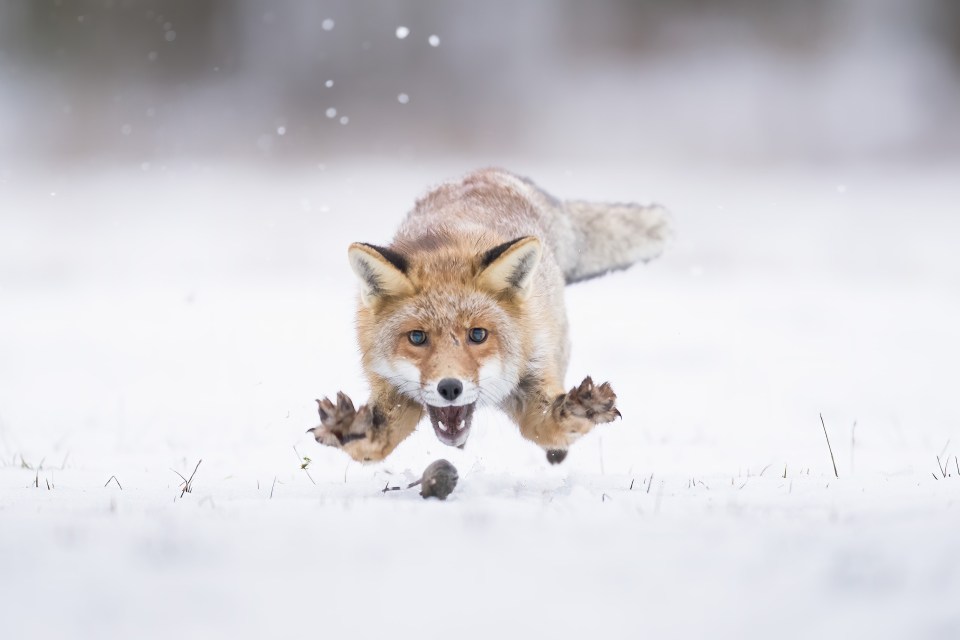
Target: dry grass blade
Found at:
304, 463
387, 488
942, 467
114, 478
829, 447
187, 485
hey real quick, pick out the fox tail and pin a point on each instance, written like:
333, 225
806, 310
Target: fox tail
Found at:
600, 237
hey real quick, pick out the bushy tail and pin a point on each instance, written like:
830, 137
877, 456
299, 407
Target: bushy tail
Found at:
609, 237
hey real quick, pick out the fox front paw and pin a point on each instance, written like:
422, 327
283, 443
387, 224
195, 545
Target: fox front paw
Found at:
594, 403
340, 423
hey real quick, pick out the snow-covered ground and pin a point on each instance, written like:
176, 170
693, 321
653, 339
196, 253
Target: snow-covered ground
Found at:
154, 316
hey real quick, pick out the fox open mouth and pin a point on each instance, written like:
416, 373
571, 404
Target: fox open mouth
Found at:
452, 424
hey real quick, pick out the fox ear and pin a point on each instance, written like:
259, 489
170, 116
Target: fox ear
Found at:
382, 272
509, 267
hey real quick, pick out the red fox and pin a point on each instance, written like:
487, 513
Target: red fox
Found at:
465, 308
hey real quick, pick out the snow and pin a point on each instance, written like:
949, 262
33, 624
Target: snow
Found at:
402, 32
154, 319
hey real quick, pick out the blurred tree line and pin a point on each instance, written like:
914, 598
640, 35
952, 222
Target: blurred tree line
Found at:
231, 75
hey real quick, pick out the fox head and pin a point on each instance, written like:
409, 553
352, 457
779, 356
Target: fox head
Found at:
442, 326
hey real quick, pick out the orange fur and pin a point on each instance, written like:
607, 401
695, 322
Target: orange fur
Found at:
486, 256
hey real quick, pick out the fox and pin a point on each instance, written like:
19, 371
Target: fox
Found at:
465, 309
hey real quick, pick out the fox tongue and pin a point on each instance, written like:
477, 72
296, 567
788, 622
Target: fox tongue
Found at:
451, 417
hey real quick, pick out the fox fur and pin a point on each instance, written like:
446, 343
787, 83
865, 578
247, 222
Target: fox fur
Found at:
477, 271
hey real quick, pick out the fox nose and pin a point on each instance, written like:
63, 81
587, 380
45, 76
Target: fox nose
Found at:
450, 388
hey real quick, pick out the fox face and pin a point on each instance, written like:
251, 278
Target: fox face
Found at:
443, 327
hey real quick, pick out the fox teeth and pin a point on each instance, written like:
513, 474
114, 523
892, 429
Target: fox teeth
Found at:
448, 428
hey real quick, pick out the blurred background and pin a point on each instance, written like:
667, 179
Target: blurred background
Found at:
729, 80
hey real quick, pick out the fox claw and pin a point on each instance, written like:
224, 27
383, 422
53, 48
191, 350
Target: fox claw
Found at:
344, 403
595, 403
341, 423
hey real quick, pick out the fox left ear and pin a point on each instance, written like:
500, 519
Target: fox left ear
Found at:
381, 272
509, 267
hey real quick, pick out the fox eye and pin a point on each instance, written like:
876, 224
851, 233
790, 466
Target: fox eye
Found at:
417, 337
477, 335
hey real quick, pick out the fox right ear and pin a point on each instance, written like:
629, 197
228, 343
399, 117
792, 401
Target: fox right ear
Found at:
381, 272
